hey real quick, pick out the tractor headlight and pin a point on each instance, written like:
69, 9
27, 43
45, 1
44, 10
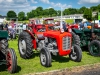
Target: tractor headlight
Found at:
62, 30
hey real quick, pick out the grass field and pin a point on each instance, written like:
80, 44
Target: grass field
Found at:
69, 21
33, 65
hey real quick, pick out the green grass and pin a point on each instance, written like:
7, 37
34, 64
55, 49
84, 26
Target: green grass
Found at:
69, 21
33, 65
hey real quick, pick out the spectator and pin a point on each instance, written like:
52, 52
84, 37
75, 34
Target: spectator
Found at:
10, 31
64, 26
85, 25
81, 25
6, 26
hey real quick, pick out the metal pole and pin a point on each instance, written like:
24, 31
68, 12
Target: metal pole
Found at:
61, 27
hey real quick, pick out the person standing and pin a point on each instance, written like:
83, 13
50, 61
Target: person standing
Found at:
6, 26
85, 25
10, 31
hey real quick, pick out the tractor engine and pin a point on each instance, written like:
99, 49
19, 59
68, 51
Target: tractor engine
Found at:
51, 45
41, 30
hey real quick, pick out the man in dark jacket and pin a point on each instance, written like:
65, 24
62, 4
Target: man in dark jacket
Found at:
64, 26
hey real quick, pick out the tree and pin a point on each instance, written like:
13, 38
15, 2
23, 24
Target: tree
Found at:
29, 15
52, 12
87, 14
34, 13
21, 16
94, 8
98, 7
66, 12
11, 14
82, 9
58, 13
71, 11
39, 11
45, 12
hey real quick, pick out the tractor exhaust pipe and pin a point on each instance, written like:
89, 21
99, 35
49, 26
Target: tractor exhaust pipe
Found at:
61, 26
92, 30
92, 27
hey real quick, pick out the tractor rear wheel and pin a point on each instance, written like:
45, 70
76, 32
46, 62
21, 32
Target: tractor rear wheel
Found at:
94, 48
75, 39
76, 53
25, 45
45, 57
11, 60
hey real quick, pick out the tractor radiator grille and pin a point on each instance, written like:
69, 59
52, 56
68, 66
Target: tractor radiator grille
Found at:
66, 43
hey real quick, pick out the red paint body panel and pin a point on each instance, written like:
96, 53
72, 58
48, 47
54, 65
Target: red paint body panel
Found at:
58, 36
35, 34
33, 39
34, 44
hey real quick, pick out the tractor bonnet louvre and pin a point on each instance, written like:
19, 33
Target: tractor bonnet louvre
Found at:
66, 43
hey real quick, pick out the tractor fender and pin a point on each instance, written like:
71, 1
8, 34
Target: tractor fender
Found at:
32, 35
77, 31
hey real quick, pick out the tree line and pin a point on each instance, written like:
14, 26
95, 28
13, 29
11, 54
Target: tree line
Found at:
39, 12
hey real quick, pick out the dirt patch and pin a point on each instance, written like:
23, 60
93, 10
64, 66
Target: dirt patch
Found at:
79, 70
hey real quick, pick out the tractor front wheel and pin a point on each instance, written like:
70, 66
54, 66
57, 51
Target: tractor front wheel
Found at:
76, 53
4, 45
25, 45
45, 57
75, 39
94, 48
11, 60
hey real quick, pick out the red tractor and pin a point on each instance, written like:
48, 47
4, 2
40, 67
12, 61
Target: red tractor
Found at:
48, 42
31, 38
49, 23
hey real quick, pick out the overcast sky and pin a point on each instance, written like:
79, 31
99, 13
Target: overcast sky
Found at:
28, 5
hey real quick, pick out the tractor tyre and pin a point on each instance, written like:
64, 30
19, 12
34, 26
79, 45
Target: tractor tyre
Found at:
76, 53
25, 45
45, 57
4, 45
11, 60
75, 39
94, 48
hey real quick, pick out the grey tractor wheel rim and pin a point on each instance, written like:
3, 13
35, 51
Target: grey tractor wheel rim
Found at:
74, 56
43, 58
22, 46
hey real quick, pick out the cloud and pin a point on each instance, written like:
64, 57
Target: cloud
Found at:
88, 1
56, 4
33, 1
45, 1
16, 5
61, 5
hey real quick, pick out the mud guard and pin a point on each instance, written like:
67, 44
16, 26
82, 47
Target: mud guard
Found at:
77, 31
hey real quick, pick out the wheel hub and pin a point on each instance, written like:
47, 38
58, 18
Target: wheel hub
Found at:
22, 46
94, 49
43, 58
